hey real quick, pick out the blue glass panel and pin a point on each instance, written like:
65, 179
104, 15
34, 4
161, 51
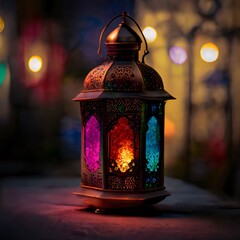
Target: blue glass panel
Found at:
152, 145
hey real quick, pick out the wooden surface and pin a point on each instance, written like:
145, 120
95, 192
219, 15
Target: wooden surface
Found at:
45, 208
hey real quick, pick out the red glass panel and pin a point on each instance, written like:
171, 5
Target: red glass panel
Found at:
121, 139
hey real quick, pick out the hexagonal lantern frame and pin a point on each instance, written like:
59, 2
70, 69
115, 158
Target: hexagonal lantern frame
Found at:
122, 116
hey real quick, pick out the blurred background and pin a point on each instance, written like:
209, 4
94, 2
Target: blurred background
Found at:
48, 47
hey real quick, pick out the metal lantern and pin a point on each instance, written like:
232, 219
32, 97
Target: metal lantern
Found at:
122, 117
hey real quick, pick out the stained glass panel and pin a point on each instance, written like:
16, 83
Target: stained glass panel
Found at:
122, 144
92, 144
152, 145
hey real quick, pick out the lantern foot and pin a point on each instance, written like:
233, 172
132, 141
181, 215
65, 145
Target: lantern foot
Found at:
100, 211
102, 200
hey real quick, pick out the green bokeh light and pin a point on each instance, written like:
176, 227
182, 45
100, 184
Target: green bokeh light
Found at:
3, 72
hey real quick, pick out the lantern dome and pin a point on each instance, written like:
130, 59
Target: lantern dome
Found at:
122, 72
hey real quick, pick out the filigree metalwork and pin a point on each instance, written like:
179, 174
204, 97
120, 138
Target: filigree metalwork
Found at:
122, 77
152, 79
115, 183
123, 105
92, 179
128, 183
95, 79
89, 108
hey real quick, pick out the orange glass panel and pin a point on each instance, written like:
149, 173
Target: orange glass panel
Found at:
121, 147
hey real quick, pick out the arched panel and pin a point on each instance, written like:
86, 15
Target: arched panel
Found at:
92, 144
152, 145
121, 144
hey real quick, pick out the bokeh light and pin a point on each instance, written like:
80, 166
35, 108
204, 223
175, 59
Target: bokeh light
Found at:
209, 52
1, 24
177, 54
3, 72
169, 128
35, 63
150, 34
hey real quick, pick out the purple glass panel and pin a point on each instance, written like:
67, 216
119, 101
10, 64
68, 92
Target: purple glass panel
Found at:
92, 144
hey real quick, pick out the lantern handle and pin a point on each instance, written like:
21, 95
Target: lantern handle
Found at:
123, 15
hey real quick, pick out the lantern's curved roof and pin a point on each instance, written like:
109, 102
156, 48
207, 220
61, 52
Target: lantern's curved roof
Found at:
127, 76
125, 79
122, 74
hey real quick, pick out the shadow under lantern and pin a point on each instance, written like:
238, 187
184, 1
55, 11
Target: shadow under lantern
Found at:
122, 117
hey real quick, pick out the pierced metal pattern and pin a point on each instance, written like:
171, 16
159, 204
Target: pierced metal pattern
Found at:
117, 183
130, 183
122, 77
95, 78
92, 179
123, 105
131, 108
89, 108
152, 79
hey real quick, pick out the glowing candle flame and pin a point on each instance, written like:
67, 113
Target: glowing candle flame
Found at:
125, 156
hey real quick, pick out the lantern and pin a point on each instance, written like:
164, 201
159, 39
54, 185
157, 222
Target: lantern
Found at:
122, 117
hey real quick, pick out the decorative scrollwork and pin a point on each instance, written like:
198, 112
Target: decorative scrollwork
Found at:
122, 77
95, 79
152, 79
126, 183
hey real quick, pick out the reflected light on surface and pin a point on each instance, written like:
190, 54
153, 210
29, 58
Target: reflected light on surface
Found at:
1, 24
177, 54
150, 34
35, 63
209, 52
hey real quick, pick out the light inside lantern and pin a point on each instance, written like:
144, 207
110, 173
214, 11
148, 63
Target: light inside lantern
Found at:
122, 144
35, 63
209, 52
150, 34
177, 54
92, 144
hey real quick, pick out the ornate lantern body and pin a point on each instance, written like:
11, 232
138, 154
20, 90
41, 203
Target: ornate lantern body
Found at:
122, 116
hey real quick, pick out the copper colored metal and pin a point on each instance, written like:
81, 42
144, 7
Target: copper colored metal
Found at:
122, 87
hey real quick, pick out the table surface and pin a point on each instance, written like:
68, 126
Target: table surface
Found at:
45, 208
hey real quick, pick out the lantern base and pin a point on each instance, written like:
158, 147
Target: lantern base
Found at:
112, 199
